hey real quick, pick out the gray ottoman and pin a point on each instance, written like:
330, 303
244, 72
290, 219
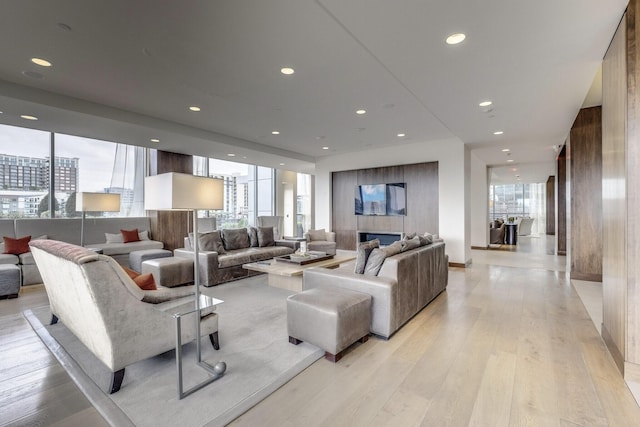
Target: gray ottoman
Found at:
10, 278
331, 319
169, 272
136, 258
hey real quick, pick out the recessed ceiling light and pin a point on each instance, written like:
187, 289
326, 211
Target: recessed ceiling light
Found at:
26, 117
510, 160
41, 62
401, 135
231, 155
194, 108
506, 150
325, 148
287, 71
154, 140
1, 112
281, 164
275, 132
361, 112
456, 38
498, 132
485, 103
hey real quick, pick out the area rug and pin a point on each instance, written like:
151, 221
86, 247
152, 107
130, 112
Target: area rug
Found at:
253, 343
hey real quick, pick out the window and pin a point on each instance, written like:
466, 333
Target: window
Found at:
24, 189
519, 200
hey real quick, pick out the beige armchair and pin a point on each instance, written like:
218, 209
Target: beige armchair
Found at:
321, 240
277, 222
99, 303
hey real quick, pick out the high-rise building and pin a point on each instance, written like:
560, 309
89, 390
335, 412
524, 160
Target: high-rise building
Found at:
31, 173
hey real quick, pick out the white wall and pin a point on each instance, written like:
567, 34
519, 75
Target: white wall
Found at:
450, 155
479, 186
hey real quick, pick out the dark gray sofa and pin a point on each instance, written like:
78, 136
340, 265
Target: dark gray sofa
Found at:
218, 268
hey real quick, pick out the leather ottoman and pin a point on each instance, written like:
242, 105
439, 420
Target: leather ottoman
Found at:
331, 319
169, 272
136, 258
10, 278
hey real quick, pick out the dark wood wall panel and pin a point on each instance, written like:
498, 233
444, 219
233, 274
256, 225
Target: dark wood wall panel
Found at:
169, 227
422, 201
551, 205
343, 185
422, 198
561, 201
586, 195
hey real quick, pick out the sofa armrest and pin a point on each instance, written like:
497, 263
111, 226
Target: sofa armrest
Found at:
289, 244
383, 293
331, 236
208, 264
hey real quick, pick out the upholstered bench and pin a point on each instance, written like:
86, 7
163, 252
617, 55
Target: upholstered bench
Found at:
10, 278
169, 272
331, 319
136, 258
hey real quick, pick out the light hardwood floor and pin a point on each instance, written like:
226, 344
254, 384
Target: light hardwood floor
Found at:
504, 346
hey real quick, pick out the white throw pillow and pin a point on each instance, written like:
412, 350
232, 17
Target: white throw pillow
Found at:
143, 235
114, 238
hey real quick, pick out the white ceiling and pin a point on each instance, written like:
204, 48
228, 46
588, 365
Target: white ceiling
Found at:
128, 71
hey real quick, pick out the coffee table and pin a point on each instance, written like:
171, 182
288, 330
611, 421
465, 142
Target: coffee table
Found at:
289, 276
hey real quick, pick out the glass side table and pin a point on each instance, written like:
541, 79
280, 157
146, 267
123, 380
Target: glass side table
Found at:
178, 312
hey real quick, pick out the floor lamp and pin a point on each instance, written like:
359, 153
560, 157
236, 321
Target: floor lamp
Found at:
95, 202
179, 191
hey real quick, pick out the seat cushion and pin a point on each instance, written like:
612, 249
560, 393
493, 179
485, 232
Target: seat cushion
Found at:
9, 259
127, 248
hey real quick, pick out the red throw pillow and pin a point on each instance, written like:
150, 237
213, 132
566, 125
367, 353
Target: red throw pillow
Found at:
16, 246
132, 273
146, 282
130, 235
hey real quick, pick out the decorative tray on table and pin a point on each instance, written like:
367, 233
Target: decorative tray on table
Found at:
308, 258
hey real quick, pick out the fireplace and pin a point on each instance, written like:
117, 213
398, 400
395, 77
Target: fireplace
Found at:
385, 237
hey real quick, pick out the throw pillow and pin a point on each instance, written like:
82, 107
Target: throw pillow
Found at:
211, 241
129, 236
317, 234
409, 236
428, 237
16, 246
114, 238
146, 282
364, 250
265, 237
235, 238
253, 236
377, 257
144, 235
409, 244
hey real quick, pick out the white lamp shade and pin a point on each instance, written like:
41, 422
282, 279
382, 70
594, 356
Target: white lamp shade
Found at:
97, 202
181, 191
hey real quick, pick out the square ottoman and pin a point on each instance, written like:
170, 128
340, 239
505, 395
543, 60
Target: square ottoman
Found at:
136, 258
330, 318
10, 278
169, 272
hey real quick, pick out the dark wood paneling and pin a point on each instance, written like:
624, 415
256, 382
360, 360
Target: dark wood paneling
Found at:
561, 201
551, 205
422, 201
586, 194
170, 227
343, 187
422, 198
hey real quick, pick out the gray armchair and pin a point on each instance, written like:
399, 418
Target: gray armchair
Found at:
321, 240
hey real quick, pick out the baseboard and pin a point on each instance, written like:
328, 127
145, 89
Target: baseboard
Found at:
480, 248
613, 349
461, 265
586, 276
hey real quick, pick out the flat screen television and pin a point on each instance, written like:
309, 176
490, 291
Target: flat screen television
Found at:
381, 199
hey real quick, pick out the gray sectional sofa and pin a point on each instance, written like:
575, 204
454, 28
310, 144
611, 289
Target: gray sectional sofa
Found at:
68, 230
226, 264
404, 285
